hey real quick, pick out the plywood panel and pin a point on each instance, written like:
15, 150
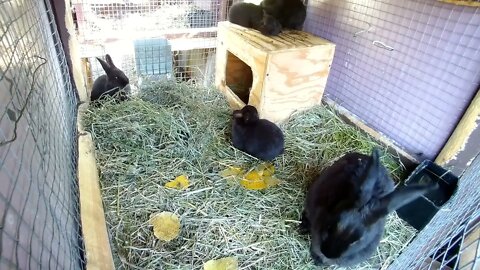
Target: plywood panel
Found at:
289, 71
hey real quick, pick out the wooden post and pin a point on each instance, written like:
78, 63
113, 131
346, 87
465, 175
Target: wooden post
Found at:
464, 143
74, 55
87, 71
66, 30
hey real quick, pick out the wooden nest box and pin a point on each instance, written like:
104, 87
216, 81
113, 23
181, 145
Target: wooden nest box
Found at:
278, 75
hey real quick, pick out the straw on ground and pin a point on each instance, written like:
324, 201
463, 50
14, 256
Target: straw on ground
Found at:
177, 129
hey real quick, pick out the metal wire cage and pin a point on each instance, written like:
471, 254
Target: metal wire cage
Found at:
39, 199
150, 37
39, 211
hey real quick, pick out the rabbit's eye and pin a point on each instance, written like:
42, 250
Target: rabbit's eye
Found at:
116, 78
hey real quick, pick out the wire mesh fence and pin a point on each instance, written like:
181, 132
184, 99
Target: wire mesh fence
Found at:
150, 37
39, 208
409, 90
407, 69
452, 239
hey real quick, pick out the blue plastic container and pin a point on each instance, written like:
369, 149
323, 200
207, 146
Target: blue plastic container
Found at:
153, 57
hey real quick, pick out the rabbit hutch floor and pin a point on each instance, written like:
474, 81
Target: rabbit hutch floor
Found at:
172, 129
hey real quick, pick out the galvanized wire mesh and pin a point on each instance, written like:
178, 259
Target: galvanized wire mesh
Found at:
38, 198
452, 239
39, 208
408, 69
150, 37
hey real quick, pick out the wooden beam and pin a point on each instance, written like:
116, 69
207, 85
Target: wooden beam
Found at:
185, 44
74, 55
468, 3
464, 143
87, 71
167, 34
223, 9
95, 235
66, 30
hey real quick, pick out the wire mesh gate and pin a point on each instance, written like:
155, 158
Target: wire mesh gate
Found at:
39, 211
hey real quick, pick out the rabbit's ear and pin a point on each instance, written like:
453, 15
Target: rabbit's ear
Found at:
109, 60
372, 174
105, 65
396, 199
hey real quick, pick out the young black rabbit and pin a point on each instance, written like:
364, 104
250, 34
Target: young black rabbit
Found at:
290, 13
257, 137
346, 209
110, 83
252, 16
270, 26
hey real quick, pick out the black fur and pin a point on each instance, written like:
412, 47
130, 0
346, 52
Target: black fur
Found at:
252, 16
257, 137
290, 13
346, 207
110, 83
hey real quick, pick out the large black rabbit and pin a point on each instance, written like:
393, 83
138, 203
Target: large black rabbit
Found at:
290, 13
110, 83
257, 137
346, 209
252, 16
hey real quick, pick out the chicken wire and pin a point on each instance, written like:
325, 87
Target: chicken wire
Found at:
408, 69
123, 27
452, 239
39, 200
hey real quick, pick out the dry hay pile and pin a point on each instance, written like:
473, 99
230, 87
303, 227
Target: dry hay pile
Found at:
173, 129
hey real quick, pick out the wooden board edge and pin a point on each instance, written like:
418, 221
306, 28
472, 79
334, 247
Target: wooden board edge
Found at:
74, 54
462, 133
98, 252
370, 131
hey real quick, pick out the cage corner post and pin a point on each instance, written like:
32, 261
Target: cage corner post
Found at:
464, 142
66, 29
98, 252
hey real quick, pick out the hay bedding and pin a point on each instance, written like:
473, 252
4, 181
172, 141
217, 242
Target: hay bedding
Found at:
172, 129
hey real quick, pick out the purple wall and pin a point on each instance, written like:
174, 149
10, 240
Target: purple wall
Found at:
416, 92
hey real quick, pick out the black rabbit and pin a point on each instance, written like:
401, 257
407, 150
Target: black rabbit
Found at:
290, 13
252, 16
346, 209
110, 83
269, 26
257, 137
